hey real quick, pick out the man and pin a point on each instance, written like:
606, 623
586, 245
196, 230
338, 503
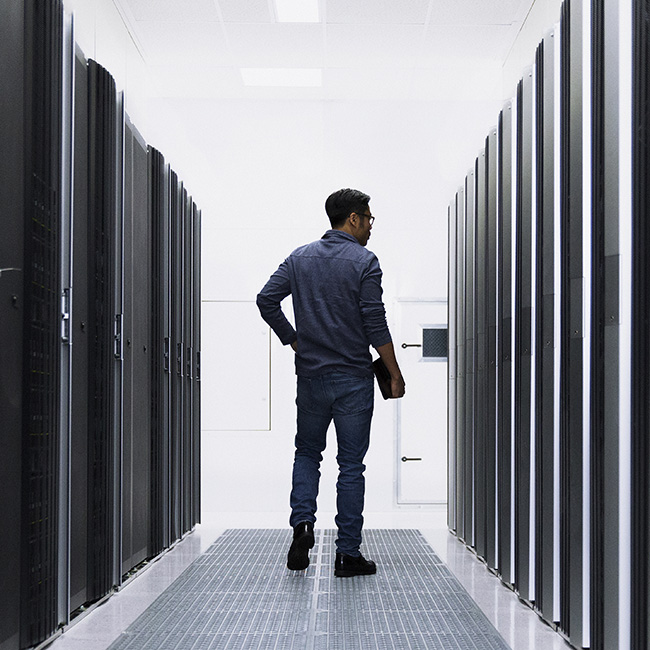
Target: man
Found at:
335, 284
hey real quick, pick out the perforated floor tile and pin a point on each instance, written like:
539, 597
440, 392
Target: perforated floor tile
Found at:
239, 595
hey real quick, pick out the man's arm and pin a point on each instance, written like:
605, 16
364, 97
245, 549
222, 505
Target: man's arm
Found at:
268, 301
387, 354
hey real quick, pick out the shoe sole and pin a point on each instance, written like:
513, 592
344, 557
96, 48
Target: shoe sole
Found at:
298, 557
349, 573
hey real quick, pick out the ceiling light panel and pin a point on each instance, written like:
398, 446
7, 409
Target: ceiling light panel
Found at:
364, 12
282, 77
187, 10
245, 11
297, 11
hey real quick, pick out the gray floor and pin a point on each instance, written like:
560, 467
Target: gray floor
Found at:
518, 624
240, 595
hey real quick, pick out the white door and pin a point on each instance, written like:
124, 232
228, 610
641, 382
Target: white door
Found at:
421, 416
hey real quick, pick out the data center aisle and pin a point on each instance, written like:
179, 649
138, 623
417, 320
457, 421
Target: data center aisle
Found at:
517, 624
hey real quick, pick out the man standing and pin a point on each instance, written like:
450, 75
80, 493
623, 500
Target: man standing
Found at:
335, 284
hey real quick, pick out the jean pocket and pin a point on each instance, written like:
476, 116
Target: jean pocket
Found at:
355, 395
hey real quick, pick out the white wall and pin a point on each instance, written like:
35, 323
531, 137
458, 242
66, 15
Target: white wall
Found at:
260, 171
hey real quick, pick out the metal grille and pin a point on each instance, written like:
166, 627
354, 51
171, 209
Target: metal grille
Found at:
240, 595
434, 343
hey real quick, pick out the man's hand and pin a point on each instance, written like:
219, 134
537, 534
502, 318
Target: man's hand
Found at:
397, 386
294, 345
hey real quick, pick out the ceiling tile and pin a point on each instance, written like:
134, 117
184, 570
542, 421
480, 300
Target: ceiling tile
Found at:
367, 84
282, 45
411, 12
187, 10
193, 81
245, 11
171, 43
392, 46
478, 12
485, 42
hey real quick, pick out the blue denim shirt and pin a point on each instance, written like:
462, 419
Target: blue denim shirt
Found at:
335, 284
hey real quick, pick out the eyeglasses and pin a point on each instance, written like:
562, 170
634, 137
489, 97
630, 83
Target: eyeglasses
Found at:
370, 218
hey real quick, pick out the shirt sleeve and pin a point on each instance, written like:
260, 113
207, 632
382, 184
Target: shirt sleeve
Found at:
373, 312
268, 302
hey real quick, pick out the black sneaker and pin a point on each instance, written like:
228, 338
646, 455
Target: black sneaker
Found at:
303, 540
347, 566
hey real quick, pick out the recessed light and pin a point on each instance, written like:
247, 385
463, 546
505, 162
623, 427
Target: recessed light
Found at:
283, 77
297, 11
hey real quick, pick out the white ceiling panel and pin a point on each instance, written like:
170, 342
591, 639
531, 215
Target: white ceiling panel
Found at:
484, 42
171, 43
478, 12
245, 11
363, 12
391, 46
367, 84
193, 81
283, 45
187, 10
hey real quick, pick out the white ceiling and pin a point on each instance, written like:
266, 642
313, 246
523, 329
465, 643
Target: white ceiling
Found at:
375, 49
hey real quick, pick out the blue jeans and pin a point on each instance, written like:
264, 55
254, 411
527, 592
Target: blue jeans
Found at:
349, 400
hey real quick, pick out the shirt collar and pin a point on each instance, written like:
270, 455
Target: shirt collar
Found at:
331, 234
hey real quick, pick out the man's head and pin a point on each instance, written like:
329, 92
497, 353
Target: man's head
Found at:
348, 210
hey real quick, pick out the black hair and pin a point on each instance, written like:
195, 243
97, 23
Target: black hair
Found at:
341, 204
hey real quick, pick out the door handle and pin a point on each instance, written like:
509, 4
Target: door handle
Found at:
404, 459
411, 345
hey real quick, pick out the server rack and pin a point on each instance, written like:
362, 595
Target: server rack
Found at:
30, 289
469, 438
80, 333
481, 427
188, 362
176, 245
103, 337
491, 286
572, 379
545, 367
160, 352
505, 343
452, 221
523, 339
459, 325
137, 430
196, 346
640, 398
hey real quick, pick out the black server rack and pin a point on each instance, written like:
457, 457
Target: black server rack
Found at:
545, 359
523, 338
137, 352
188, 361
452, 399
572, 324
102, 438
491, 286
196, 347
31, 37
640, 407
470, 354
505, 344
160, 352
80, 334
480, 347
176, 429
459, 324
